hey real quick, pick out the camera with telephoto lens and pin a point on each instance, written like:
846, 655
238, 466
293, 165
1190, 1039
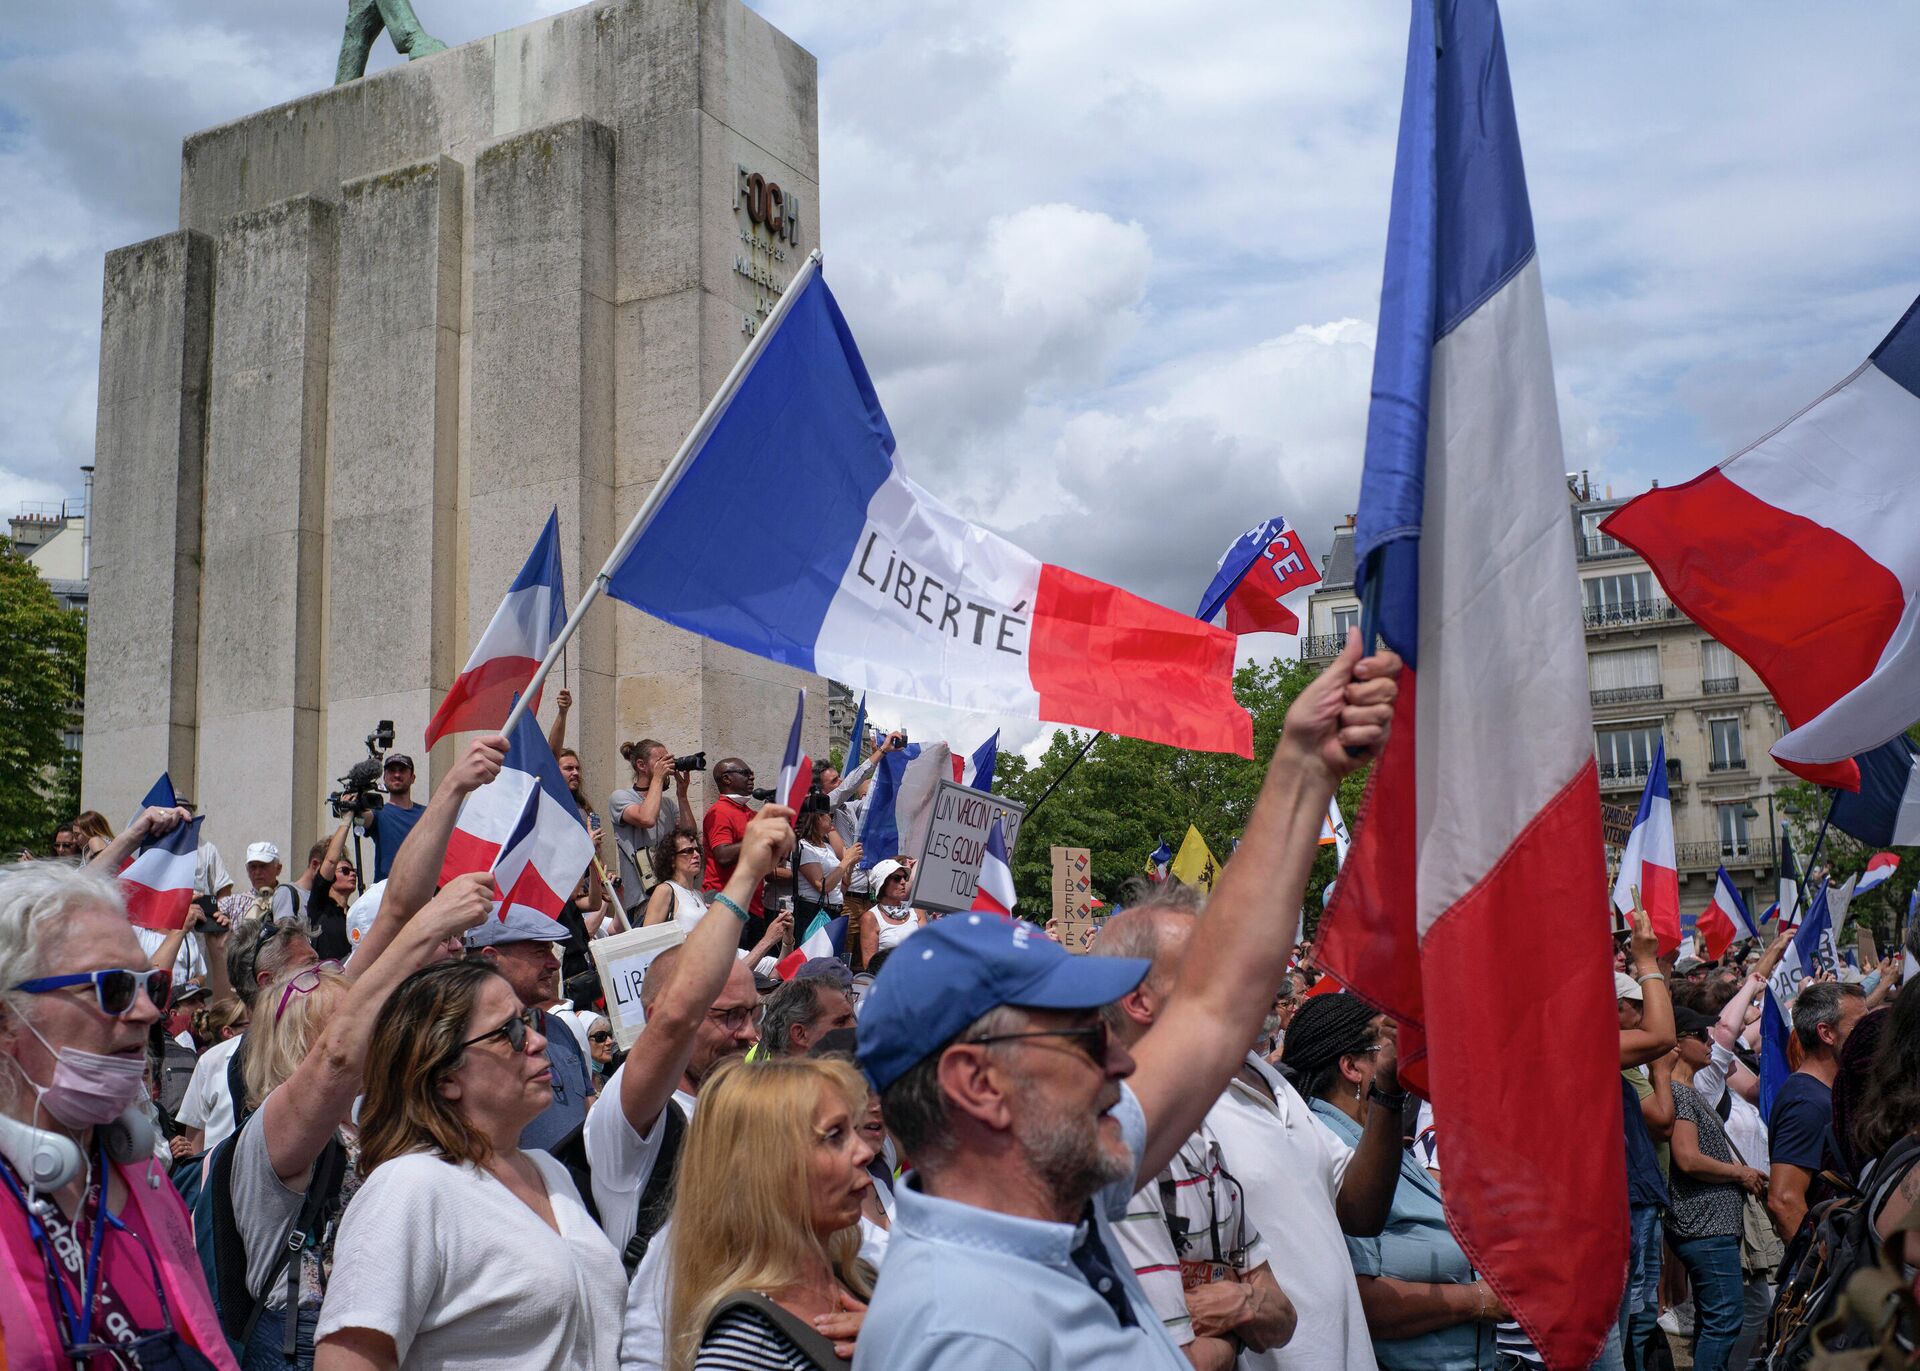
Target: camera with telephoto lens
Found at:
697, 762
359, 793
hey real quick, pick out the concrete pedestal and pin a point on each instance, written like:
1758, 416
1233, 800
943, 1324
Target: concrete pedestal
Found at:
401, 320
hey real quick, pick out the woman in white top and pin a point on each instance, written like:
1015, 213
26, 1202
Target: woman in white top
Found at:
462, 1251
678, 895
823, 870
892, 920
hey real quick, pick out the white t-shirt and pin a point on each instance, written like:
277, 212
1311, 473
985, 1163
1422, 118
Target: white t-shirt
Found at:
451, 1265
821, 856
1291, 1173
208, 1104
190, 964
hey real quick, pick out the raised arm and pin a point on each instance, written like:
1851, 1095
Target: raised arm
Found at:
659, 1055
416, 867
152, 823
557, 734
335, 845
1654, 1038
1244, 940
300, 1117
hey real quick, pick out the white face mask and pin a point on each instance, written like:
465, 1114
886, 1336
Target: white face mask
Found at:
88, 1088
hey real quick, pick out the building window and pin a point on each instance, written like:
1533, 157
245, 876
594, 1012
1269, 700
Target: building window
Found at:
1344, 619
1727, 754
1598, 543
1733, 830
1620, 677
1719, 669
1625, 598
1625, 753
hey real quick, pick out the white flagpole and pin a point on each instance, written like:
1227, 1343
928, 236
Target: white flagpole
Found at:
668, 478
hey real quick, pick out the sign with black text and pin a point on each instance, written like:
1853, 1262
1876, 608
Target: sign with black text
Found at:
948, 870
623, 961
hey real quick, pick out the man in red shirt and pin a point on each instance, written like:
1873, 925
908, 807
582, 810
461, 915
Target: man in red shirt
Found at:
721, 831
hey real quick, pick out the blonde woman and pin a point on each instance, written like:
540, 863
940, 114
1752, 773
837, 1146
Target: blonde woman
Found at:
94, 831
462, 1251
292, 1169
775, 1168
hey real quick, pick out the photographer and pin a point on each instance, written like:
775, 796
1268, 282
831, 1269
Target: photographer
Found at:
395, 819
644, 813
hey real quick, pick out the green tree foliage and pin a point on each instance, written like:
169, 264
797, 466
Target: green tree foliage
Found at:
1128, 796
42, 667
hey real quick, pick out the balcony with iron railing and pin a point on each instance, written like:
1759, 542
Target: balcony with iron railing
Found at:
1322, 647
1619, 775
1601, 549
1750, 852
1720, 685
1727, 764
1626, 695
1632, 614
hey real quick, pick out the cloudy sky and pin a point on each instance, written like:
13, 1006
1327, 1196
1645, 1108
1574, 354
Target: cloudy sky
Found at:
1116, 265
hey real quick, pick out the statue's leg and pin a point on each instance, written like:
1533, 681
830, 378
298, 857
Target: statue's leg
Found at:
405, 31
363, 26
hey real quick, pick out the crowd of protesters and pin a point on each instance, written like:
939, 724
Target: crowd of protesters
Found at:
329, 1127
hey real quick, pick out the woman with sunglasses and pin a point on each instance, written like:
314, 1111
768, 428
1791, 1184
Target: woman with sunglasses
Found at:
97, 1263
293, 1166
462, 1251
603, 1057
679, 857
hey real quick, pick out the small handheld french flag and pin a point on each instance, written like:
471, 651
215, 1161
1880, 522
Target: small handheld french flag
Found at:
994, 890
158, 883
796, 768
1880, 868
1649, 861
1726, 920
511, 650
524, 827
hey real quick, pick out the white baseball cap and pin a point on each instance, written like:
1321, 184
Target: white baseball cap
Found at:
263, 852
360, 914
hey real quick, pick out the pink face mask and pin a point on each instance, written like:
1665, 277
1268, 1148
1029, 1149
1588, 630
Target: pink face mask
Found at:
89, 1088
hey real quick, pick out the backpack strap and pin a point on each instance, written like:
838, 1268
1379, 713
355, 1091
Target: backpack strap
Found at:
240, 1310
806, 1340
656, 1197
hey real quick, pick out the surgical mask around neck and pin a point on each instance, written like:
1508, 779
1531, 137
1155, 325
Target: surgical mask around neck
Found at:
88, 1088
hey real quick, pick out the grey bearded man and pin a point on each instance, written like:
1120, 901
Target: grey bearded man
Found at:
365, 19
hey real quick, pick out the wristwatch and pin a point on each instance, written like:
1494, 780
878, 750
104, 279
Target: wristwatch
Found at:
1395, 1102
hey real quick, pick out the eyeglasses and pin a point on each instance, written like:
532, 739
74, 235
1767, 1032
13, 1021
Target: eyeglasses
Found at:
603, 1036
515, 1030
686, 852
116, 990
735, 1019
746, 771
346, 867
1094, 1039
305, 983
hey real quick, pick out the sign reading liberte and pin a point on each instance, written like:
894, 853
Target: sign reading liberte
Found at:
623, 961
948, 871
1073, 898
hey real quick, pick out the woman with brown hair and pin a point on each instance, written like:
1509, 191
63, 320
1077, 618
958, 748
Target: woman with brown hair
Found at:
678, 862
462, 1251
94, 832
775, 1168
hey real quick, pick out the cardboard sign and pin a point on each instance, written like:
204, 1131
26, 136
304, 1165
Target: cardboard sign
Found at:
622, 961
1073, 921
948, 869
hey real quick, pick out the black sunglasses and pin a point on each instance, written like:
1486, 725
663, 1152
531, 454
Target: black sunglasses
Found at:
116, 990
515, 1030
603, 1036
1094, 1039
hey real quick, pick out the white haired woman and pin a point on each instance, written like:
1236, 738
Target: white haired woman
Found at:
293, 1165
97, 1263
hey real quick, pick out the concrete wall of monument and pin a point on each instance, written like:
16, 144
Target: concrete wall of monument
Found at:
402, 319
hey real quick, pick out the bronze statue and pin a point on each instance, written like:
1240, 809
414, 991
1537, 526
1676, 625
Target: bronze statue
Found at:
365, 19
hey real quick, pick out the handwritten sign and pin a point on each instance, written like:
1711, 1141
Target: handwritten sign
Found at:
1073, 921
623, 961
948, 871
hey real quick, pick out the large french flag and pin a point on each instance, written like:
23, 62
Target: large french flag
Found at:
158, 883
524, 827
994, 890
845, 567
1479, 837
1802, 554
512, 648
1649, 864
900, 805
1885, 811
1725, 921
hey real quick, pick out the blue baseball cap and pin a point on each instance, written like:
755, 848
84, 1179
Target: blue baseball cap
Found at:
955, 969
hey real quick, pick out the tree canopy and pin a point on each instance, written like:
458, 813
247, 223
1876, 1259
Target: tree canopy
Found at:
42, 671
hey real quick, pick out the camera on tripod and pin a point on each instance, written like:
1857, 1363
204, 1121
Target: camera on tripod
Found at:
359, 793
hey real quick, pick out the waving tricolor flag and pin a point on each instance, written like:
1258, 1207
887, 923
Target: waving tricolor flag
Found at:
1649, 864
859, 574
1725, 921
1885, 811
158, 883
1802, 554
796, 767
1880, 869
505, 658
524, 827
159, 795
827, 938
977, 770
900, 805
1481, 833
1263, 567
1158, 861
994, 892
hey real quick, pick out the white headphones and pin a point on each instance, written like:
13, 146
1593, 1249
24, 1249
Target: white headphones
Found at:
50, 1161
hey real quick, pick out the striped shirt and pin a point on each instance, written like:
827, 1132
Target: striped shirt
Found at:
1209, 1215
746, 1340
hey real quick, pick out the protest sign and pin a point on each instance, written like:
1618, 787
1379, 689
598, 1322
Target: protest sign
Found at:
1073, 921
622, 961
945, 876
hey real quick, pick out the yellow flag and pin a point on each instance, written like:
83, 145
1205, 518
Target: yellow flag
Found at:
1195, 864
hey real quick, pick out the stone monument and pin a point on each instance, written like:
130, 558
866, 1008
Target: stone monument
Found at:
402, 318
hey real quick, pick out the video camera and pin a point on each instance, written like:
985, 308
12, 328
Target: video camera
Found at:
697, 762
359, 793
